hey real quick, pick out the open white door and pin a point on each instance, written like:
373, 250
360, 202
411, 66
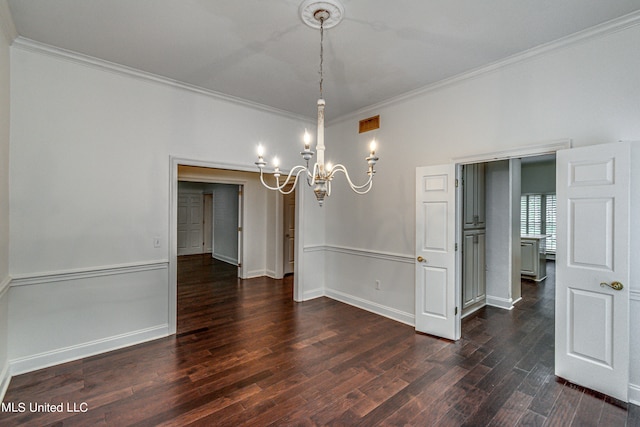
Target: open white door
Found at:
240, 230
592, 318
436, 311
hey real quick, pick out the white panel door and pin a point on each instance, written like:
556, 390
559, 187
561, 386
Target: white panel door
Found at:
190, 229
240, 231
435, 256
592, 319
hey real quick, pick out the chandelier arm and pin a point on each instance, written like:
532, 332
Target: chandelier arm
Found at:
312, 175
279, 187
299, 169
355, 188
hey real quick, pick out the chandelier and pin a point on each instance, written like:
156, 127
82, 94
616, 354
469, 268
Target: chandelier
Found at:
317, 14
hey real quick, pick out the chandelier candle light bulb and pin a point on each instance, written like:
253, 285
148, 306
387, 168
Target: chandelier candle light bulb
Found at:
307, 140
318, 14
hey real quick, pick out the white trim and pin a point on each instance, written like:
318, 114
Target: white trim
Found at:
313, 294
91, 348
271, 274
634, 295
379, 309
6, 22
473, 310
504, 303
5, 379
254, 274
26, 44
539, 149
601, 30
387, 256
5, 285
225, 258
84, 273
634, 394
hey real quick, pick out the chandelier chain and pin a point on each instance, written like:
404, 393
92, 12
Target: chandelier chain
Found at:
321, 53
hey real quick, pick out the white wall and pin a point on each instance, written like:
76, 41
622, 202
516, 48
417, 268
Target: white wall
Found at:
225, 223
497, 244
515, 263
587, 92
5, 41
90, 187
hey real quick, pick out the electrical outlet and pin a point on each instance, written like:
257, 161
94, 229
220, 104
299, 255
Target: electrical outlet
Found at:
156, 242
378, 285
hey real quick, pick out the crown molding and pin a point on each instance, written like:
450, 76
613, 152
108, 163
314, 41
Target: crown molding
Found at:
6, 22
97, 63
597, 31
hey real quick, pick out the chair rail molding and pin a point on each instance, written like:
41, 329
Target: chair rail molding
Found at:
86, 273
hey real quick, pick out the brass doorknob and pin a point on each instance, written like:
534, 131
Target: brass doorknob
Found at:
616, 286
420, 259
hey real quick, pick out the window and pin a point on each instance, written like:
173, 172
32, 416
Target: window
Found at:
538, 216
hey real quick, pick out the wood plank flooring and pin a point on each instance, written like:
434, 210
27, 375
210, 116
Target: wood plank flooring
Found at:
246, 354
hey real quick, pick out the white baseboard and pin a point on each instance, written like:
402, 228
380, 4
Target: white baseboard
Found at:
313, 294
254, 273
391, 313
226, 259
473, 310
504, 303
75, 352
634, 394
5, 378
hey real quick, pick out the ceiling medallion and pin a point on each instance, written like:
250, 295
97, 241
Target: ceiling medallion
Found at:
309, 13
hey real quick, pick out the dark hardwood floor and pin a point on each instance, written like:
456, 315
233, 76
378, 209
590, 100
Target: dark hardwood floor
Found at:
246, 354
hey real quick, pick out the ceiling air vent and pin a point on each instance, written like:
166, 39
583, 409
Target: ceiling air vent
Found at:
371, 123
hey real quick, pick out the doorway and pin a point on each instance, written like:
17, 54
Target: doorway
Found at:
591, 180
506, 228
209, 217
260, 224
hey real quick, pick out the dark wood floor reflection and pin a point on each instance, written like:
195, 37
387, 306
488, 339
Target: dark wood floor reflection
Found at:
246, 354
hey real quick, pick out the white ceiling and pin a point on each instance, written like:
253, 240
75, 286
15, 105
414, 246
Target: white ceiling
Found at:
261, 51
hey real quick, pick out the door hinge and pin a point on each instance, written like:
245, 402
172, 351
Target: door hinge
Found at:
456, 311
456, 247
239, 228
240, 265
456, 183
